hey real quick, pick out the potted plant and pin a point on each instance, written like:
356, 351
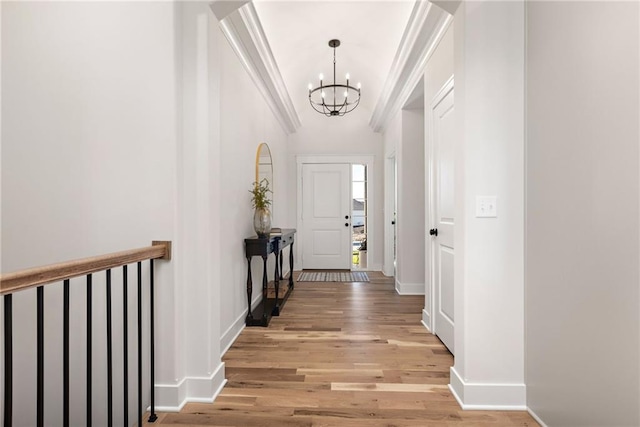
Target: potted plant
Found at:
363, 254
261, 202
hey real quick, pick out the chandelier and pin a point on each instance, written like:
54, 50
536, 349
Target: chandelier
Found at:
334, 99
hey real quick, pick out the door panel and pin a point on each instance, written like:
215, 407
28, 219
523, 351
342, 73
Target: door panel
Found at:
326, 194
442, 119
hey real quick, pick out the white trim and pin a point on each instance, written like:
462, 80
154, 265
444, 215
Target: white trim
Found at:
487, 396
426, 320
173, 397
389, 208
409, 288
536, 417
426, 27
243, 30
363, 159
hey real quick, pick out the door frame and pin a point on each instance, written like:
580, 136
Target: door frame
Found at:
390, 206
367, 160
430, 321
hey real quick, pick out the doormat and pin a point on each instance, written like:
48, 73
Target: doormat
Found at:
327, 276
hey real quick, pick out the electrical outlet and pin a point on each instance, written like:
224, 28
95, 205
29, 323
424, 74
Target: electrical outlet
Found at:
486, 207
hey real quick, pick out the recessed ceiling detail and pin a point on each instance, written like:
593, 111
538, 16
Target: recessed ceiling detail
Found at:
245, 34
425, 29
369, 32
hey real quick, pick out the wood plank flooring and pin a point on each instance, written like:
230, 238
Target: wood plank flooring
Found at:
340, 354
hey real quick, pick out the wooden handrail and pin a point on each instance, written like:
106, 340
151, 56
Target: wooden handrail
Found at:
25, 279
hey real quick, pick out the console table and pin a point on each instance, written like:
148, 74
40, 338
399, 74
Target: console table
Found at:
263, 247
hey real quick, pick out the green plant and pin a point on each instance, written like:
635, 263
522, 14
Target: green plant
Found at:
260, 198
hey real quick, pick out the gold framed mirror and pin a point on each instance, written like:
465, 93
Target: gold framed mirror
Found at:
264, 167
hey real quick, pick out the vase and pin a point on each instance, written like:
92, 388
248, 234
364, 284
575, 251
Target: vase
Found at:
262, 221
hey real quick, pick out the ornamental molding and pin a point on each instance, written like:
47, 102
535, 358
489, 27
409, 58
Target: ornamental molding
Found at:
426, 27
245, 34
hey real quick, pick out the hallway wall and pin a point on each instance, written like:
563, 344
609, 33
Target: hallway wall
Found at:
582, 208
246, 121
126, 123
89, 142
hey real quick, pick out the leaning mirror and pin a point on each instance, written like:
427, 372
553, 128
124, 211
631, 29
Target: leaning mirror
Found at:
264, 178
264, 167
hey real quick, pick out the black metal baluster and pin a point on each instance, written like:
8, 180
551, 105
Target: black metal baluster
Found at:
8, 361
152, 417
125, 334
88, 393
139, 343
65, 356
40, 358
109, 355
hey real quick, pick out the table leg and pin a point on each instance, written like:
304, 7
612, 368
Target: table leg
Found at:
276, 283
291, 266
264, 286
281, 256
249, 289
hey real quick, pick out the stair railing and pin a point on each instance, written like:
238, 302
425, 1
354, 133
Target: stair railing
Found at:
62, 272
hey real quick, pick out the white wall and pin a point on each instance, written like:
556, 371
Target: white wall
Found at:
489, 272
347, 135
410, 203
246, 121
582, 298
88, 167
125, 123
437, 72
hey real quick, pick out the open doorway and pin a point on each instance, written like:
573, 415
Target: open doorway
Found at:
359, 254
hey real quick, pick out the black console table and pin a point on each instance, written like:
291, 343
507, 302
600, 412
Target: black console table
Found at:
262, 247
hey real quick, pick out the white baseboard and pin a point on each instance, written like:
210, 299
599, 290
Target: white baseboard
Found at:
232, 333
426, 320
409, 288
491, 397
536, 417
173, 397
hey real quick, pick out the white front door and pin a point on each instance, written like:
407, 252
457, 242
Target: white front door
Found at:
326, 216
442, 205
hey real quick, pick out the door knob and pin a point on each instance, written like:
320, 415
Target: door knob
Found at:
393, 223
346, 217
433, 231
346, 224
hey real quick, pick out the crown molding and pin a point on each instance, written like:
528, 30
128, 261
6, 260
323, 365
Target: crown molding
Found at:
426, 27
244, 32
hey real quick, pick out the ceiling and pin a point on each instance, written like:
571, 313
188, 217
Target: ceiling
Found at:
298, 33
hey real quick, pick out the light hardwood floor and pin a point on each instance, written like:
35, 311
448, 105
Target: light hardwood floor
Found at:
340, 354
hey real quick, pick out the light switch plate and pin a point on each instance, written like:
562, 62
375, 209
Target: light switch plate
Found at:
486, 207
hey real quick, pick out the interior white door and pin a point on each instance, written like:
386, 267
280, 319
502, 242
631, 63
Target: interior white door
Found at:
442, 205
326, 216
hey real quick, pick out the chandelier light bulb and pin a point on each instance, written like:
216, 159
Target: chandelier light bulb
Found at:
359, 85
346, 93
310, 86
322, 93
321, 76
347, 76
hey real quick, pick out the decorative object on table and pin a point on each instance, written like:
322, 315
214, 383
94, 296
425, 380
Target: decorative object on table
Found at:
334, 99
261, 201
362, 250
333, 276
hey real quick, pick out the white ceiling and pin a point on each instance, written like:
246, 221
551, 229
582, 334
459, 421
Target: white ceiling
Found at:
299, 31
